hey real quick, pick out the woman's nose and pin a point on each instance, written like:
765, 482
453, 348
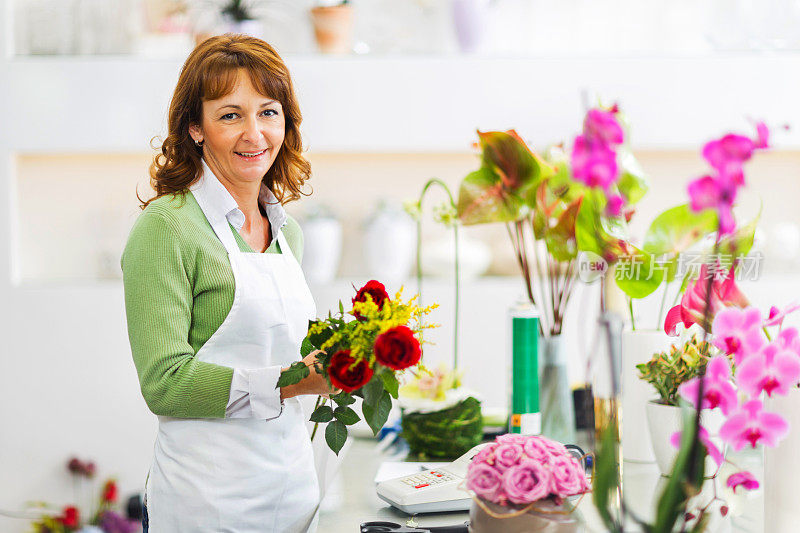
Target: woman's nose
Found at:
251, 131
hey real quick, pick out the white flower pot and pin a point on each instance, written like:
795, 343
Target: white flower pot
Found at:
664, 420
389, 245
322, 249
638, 347
782, 468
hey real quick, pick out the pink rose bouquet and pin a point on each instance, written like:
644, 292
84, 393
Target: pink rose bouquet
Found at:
521, 470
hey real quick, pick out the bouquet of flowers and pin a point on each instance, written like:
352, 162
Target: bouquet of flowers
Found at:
362, 356
104, 519
523, 481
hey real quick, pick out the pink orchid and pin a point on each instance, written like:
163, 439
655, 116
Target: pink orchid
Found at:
594, 163
770, 370
728, 154
602, 126
738, 332
762, 136
615, 204
717, 388
788, 339
705, 439
750, 424
776, 315
745, 479
710, 192
691, 310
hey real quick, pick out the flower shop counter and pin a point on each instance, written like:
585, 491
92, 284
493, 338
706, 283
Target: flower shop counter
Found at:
352, 499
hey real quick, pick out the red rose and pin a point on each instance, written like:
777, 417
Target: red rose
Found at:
397, 348
110, 492
376, 290
344, 375
70, 518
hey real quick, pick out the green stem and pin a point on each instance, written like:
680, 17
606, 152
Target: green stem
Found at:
630, 310
320, 401
661, 307
767, 334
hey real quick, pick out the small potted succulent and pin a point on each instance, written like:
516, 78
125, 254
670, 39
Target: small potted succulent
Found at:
522, 483
666, 372
333, 26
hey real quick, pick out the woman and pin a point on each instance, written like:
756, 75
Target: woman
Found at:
217, 305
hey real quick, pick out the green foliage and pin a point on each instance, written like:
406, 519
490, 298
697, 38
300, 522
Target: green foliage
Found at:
322, 414
377, 413
296, 372
346, 416
336, 435
666, 371
445, 434
606, 482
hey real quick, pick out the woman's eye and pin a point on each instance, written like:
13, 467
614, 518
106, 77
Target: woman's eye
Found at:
270, 112
227, 116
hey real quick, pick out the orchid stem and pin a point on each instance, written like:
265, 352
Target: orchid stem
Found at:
630, 309
769, 338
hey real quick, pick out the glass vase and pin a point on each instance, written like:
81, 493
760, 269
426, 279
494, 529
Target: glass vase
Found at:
555, 395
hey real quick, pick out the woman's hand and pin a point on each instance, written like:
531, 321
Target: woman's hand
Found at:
315, 383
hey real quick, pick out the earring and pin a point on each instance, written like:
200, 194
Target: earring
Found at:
198, 143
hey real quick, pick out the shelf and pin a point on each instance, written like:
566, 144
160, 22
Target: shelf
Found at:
415, 103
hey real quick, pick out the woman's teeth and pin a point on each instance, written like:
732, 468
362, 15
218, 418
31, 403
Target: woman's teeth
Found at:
251, 154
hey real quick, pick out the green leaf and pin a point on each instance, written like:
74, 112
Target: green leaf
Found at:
595, 232
632, 183
373, 391
306, 348
390, 383
343, 398
335, 436
643, 275
677, 229
482, 199
322, 414
376, 416
507, 155
318, 339
296, 372
606, 478
346, 415
560, 238
738, 243
341, 307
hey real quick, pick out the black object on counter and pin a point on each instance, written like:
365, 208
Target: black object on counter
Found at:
392, 527
133, 509
584, 407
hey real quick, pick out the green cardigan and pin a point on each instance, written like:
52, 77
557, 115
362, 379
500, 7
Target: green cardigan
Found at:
179, 288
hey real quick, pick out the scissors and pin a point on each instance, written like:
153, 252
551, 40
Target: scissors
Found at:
391, 527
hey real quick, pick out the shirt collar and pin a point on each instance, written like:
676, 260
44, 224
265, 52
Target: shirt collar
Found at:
218, 203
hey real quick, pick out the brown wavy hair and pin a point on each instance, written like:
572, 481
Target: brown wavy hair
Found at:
209, 73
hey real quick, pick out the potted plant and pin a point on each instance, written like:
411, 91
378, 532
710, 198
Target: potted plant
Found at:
441, 418
333, 26
522, 483
666, 372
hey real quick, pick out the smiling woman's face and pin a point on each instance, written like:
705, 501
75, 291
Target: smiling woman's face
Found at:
242, 133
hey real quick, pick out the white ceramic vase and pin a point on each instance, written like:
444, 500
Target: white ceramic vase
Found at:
322, 249
638, 347
389, 244
664, 420
782, 468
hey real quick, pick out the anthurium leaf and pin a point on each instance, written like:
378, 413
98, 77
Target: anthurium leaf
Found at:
594, 232
738, 243
677, 229
373, 391
632, 183
482, 199
322, 414
346, 415
638, 274
377, 415
335, 436
560, 239
343, 398
507, 155
390, 383
293, 375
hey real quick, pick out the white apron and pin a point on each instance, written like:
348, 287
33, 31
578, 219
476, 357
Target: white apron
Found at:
243, 475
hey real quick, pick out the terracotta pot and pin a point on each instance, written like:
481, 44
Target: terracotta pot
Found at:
500, 519
333, 28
